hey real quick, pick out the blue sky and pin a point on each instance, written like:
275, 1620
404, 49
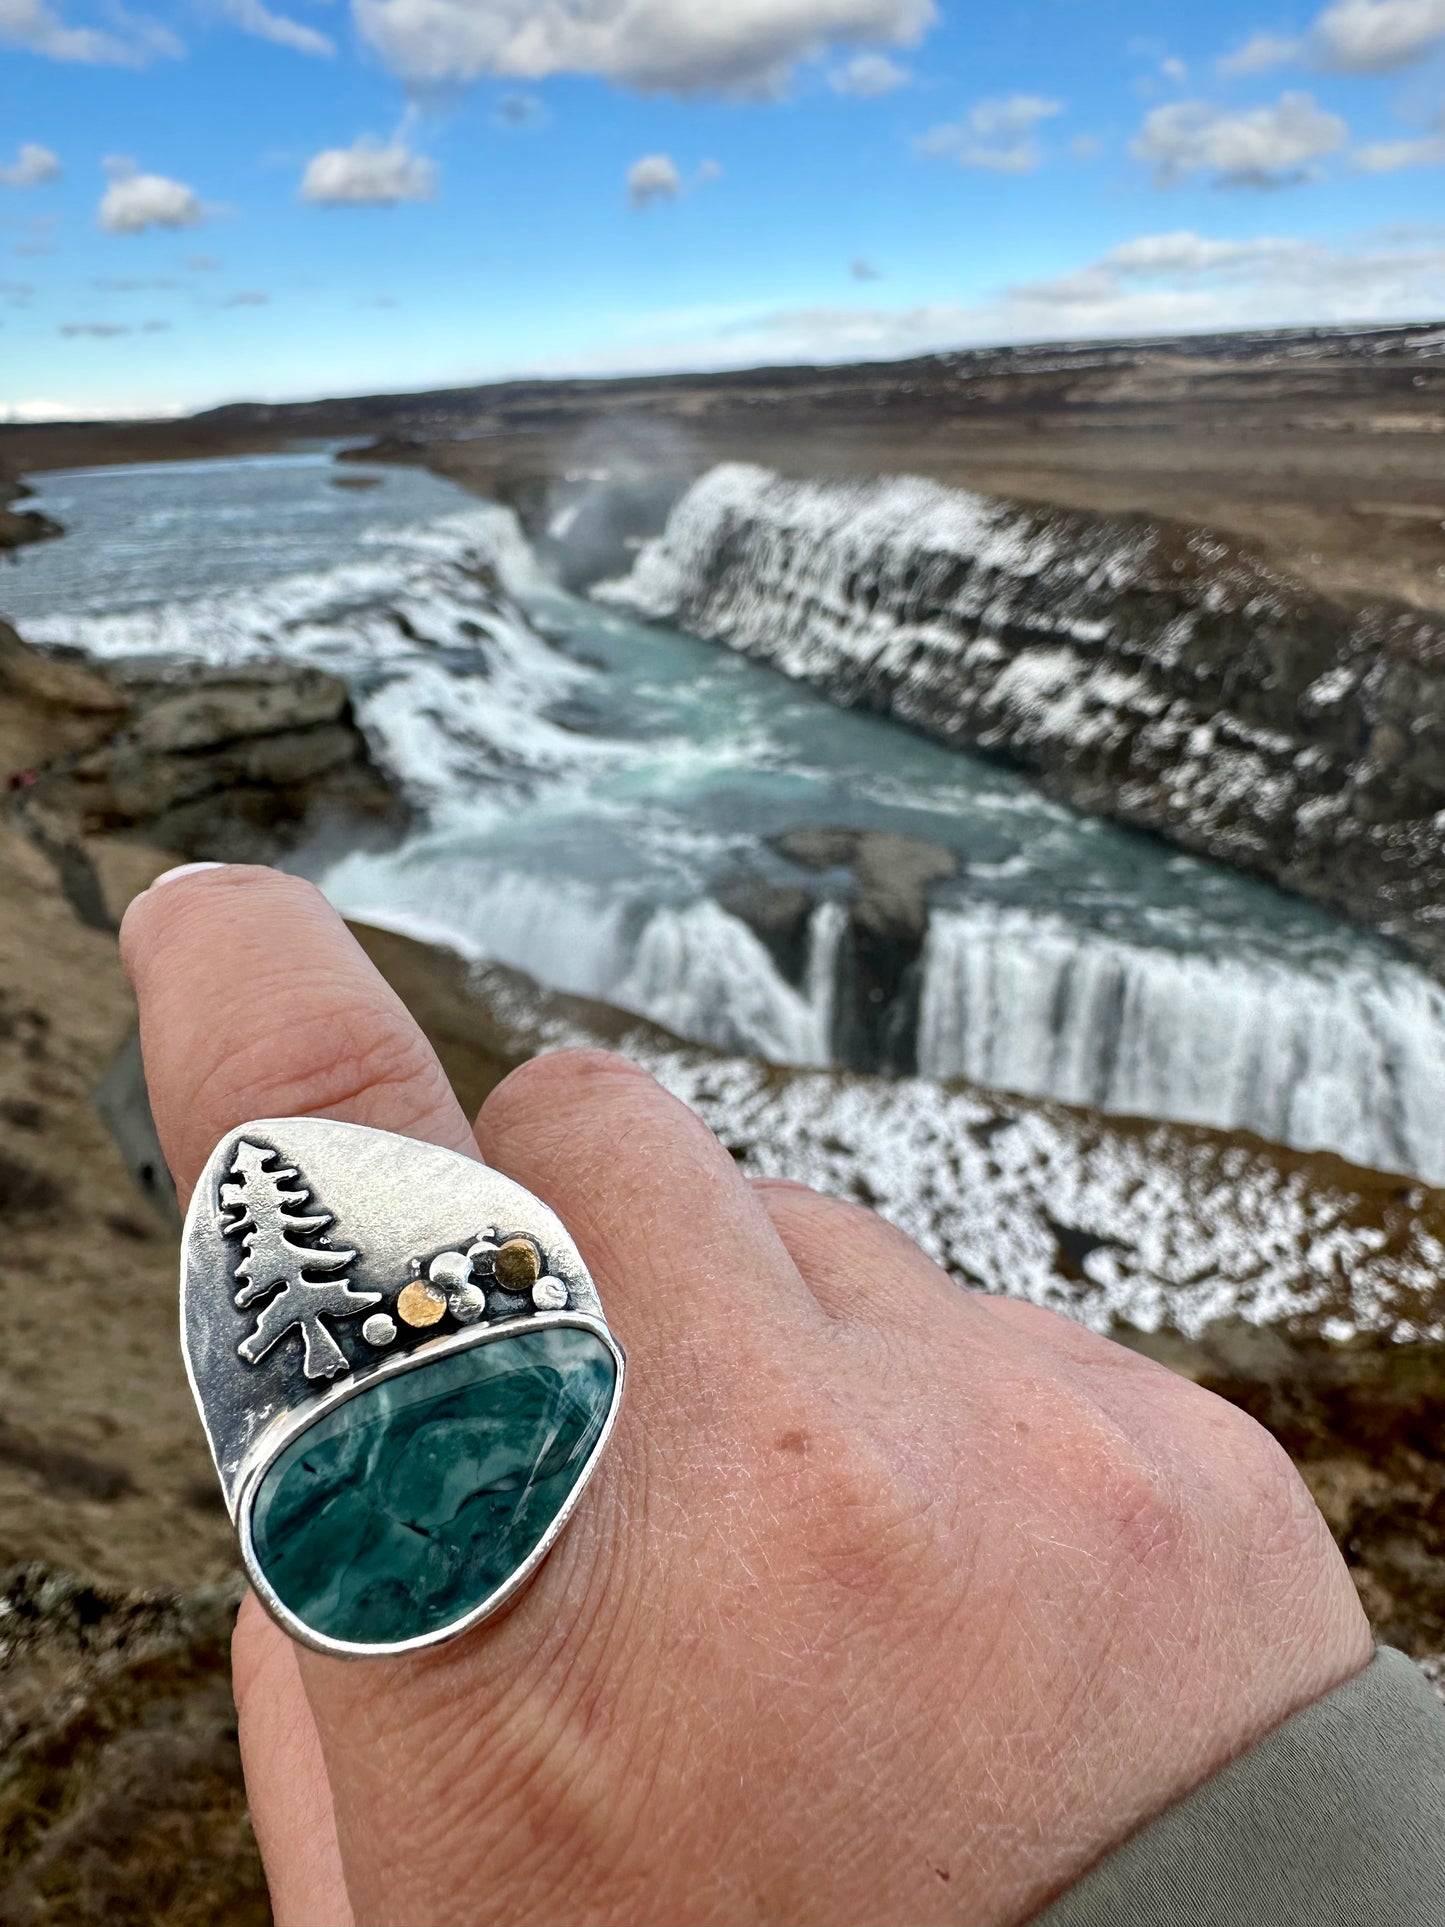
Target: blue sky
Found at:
202, 200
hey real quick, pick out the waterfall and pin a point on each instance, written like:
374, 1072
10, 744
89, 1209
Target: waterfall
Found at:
576, 820
691, 967
831, 578
1342, 1057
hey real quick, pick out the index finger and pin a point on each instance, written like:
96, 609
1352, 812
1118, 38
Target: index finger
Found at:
257, 1001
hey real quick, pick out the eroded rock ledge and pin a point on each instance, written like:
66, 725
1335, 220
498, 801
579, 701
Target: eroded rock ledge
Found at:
237, 764
1146, 671
18, 526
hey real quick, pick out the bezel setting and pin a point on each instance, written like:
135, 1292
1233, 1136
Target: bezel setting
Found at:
401, 1211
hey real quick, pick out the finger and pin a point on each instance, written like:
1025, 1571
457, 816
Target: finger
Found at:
681, 1246
286, 1783
693, 1276
856, 1264
256, 1001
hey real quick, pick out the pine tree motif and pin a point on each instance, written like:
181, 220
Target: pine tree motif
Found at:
271, 1230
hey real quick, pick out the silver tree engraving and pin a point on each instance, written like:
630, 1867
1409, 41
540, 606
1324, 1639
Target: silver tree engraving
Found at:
274, 1235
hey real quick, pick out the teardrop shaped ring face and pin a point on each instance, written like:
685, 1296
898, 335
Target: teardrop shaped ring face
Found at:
403, 1371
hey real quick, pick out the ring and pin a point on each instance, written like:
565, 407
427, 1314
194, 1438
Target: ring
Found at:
404, 1374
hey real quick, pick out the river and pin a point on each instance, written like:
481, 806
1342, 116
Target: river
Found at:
588, 786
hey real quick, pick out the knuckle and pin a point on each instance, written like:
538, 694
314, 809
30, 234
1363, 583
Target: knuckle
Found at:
1271, 1504
562, 1082
1147, 1520
1137, 1518
336, 1054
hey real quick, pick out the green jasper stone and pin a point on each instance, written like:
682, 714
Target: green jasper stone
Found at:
408, 1505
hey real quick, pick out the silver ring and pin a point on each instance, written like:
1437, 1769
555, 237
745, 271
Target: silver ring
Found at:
404, 1373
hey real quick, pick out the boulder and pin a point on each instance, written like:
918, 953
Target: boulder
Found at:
875, 1022
59, 679
236, 764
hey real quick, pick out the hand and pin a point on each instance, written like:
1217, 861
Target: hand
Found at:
889, 1602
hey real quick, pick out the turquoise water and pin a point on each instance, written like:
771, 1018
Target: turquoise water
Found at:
588, 787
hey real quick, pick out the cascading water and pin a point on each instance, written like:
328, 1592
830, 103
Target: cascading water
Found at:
689, 966
1340, 1055
589, 787
1152, 673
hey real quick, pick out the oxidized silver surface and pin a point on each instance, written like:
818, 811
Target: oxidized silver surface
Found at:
301, 1237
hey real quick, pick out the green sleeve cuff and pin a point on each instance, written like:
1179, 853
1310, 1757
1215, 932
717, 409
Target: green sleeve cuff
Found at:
1336, 1819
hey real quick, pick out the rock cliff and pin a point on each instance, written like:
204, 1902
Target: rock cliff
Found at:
235, 764
1146, 671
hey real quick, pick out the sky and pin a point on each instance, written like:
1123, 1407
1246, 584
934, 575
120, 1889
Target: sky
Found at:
211, 200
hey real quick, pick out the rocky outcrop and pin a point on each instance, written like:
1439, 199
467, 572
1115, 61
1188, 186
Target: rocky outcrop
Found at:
232, 765
18, 526
62, 682
882, 882
1146, 671
237, 764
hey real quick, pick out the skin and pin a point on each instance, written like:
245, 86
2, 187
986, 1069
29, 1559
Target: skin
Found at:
889, 1602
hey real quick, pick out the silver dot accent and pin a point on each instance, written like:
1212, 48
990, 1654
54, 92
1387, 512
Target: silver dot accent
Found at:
450, 1270
379, 1329
549, 1294
467, 1304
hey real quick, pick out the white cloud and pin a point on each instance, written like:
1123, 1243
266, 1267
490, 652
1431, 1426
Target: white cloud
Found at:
998, 135
370, 173
1259, 147
134, 201
1268, 280
83, 408
1388, 157
1174, 69
1259, 54
133, 40
33, 166
1348, 36
864, 270
253, 16
1155, 285
1373, 36
108, 330
671, 46
869, 77
653, 178
1186, 252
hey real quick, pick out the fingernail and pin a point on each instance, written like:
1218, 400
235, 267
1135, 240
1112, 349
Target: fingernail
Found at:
183, 870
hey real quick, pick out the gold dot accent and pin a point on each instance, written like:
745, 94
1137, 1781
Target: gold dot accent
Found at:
421, 1304
516, 1265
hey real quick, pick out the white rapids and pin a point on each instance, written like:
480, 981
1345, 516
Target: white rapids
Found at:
586, 785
